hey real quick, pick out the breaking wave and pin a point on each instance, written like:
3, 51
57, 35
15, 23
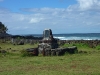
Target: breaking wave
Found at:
77, 38
74, 36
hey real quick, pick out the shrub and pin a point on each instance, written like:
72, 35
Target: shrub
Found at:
66, 45
81, 45
98, 47
24, 53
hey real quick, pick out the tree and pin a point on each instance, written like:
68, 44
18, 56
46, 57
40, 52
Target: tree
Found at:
3, 28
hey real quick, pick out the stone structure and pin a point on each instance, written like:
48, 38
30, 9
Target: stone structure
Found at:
49, 45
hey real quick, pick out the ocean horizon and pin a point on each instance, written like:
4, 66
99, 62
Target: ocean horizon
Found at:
72, 36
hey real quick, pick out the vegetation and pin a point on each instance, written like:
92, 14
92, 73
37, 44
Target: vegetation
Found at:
78, 64
98, 47
3, 28
81, 46
12, 63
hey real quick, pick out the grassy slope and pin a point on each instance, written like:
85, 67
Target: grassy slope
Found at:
76, 64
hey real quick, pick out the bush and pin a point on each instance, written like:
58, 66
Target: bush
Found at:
98, 47
25, 53
84, 45
66, 45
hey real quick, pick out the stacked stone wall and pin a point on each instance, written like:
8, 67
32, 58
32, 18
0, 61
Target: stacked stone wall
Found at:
91, 43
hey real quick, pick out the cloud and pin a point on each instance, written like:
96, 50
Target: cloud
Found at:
35, 20
42, 10
4, 10
88, 4
81, 17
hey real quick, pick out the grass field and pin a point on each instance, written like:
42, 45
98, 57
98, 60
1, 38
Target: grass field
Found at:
70, 64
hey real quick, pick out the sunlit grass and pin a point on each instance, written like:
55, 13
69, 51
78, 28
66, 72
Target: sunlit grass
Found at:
56, 65
70, 64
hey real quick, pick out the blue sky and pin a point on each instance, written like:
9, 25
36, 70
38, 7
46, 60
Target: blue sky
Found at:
62, 16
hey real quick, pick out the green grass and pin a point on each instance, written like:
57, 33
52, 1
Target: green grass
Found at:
81, 46
98, 47
16, 47
75, 64
70, 64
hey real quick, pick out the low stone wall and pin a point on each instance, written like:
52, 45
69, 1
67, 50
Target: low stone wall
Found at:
23, 41
91, 43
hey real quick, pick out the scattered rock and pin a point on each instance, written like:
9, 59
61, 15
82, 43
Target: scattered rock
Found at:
9, 49
3, 51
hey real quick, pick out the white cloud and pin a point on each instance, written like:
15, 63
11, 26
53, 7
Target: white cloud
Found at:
81, 17
35, 20
88, 4
43, 10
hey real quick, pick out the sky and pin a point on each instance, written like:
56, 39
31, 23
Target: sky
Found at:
61, 16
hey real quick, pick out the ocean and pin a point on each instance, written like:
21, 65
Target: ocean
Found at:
78, 36
74, 36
